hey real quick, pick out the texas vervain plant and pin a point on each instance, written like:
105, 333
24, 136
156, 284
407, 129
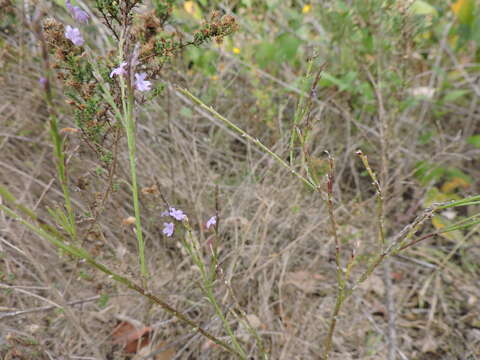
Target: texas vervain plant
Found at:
91, 85
134, 118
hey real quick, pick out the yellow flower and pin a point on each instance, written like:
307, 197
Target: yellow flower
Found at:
193, 9
189, 7
306, 9
236, 50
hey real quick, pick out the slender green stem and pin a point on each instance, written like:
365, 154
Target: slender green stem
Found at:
57, 138
333, 323
129, 123
191, 245
473, 200
300, 112
62, 174
228, 328
84, 255
247, 136
341, 276
131, 140
380, 199
126, 117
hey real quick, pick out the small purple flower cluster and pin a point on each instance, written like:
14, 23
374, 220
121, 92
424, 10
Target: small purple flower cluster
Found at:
211, 222
43, 82
75, 36
78, 14
72, 33
120, 70
169, 227
177, 214
140, 83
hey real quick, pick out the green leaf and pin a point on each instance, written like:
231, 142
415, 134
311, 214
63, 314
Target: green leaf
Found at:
427, 172
204, 60
103, 301
265, 54
425, 137
287, 45
473, 200
185, 111
434, 195
451, 96
329, 80
476, 31
457, 173
474, 140
464, 9
420, 7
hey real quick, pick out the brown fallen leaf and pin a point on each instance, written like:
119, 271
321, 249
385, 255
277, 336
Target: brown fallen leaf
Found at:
131, 338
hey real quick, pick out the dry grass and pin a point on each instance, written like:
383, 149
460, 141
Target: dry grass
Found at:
276, 250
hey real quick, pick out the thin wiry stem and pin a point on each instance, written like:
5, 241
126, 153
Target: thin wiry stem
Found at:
191, 245
131, 140
55, 133
244, 134
128, 121
340, 272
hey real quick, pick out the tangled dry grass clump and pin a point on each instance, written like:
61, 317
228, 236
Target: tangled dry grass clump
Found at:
276, 279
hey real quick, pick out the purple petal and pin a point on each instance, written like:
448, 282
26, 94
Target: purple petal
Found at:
43, 81
120, 70
211, 222
80, 16
168, 229
141, 84
69, 6
74, 35
177, 214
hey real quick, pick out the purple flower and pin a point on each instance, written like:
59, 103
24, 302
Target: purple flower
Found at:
165, 213
74, 35
69, 6
168, 229
174, 213
119, 70
141, 84
211, 222
43, 81
177, 214
78, 14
